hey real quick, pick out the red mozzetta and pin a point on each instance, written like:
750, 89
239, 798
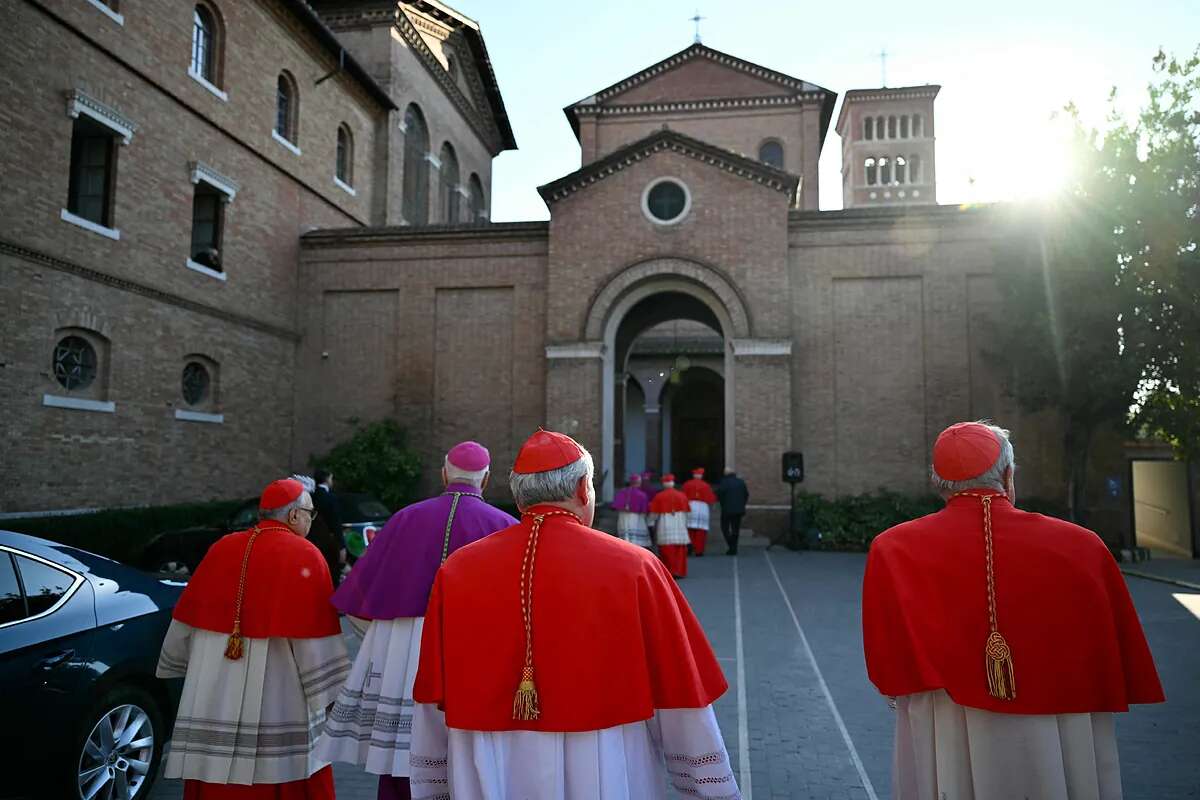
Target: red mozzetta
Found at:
1063, 607
698, 489
613, 637
668, 501
287, 587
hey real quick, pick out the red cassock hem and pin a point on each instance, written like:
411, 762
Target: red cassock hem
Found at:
1062, 605
318, 786
699, 538
287, 592
675, 557
614, 639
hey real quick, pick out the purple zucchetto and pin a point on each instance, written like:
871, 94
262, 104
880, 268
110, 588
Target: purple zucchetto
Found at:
469, 456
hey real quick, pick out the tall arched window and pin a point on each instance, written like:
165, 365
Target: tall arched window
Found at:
904, 127
345, 155
475, 203
287, 107
914, 169
901, 170
205, 44
451, 208
891, 127
416, 167
771, 154
880, 133
916, 126
885, 172
869, 128
869, 165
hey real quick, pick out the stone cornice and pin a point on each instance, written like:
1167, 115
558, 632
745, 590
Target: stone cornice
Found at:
886, 217
203, 172
668, 140
712, 104
575, 350
41, 259
762, 347
79, 102
471, 232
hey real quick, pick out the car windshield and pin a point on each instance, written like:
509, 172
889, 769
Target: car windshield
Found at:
245, 517
363, 508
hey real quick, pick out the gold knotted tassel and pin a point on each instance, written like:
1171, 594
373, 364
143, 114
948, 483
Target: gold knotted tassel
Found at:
235, 646
525, 704
998, 662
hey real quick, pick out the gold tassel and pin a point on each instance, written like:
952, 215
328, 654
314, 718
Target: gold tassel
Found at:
1001, 683
525, 704
233, 648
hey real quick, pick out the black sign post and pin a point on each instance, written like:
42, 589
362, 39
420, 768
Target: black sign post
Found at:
793, 474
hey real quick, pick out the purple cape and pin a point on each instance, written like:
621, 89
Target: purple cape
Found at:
631, 499
394, 577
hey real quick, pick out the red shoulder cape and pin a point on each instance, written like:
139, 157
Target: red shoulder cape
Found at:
1061, 602
287, 587
613, 637
698, 489
669, 501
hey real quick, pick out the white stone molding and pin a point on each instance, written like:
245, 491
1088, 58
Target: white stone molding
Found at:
275, 135
79, 404
575, 350
108, 12
345, 187
224, 185
200, 79
463, 191
434, 161
203, 270
87, 224
199, 416
81, 103
762, 347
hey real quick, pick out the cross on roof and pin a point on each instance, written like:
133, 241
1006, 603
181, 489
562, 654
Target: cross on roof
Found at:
697, 19
883, 54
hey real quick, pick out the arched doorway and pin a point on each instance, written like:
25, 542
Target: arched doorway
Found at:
694, 422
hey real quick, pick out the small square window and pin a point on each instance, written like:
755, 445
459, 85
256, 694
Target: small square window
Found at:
93, 171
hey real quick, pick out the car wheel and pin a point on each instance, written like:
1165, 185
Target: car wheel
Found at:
119, 747
176, 567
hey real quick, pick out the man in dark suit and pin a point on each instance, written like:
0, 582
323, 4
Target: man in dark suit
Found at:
732, 493
326, 531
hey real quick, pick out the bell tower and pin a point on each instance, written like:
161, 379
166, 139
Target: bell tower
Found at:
888, 147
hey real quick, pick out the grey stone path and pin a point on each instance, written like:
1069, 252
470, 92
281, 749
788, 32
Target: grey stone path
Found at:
794, 744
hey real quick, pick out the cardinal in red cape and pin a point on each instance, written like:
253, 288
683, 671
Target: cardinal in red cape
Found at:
261, 653
669, 512
700, 496
1008, 640
560, 662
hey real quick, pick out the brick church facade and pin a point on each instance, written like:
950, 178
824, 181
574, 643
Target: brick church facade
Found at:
232, 231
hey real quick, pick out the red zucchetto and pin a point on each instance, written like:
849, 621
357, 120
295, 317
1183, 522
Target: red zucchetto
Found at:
965, 450
279, 493
547, 450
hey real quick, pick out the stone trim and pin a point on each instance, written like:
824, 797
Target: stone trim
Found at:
762, 347
79, 404
108, 12
199, 416
82, 103
200, 79
345, 187
203, 270
594, 349
668, 140
41, 259
434, 161
203, 172
88, 225
700, 105
289, 145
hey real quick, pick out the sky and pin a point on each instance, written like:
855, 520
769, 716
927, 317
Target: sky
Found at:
1004, 69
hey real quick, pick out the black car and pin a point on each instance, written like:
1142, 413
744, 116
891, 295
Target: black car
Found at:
179, 552
80, 634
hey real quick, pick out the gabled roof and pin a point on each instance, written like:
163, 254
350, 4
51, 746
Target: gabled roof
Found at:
667, 139
795, 86
329, 41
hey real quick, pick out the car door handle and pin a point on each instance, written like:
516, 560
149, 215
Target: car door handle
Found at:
50, 662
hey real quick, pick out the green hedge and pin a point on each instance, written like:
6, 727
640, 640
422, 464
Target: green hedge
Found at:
377, 460
121, 534
850, 523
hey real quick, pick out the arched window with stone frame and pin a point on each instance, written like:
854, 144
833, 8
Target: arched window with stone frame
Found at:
451, 199
476, 204
880, 130
868, 128
344, 159
885, 172
901, 170
904, 126
917, 128
770, 153
287, 108
208, 42
914, 169
870, 168
415, 202
891, 123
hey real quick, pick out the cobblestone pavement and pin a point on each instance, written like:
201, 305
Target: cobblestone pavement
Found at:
814, 727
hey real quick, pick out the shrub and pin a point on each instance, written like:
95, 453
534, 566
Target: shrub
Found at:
376, 460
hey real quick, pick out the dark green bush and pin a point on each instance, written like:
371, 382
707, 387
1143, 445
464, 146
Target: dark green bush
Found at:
376, 460
121, 533
850, 523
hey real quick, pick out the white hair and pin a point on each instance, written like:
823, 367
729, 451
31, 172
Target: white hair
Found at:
281, 514
552, 486
306, 481
993, 478
457, 475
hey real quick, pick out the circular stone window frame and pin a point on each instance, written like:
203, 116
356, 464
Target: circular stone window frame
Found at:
687, 201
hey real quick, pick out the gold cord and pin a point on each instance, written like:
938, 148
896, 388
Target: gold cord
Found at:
233, 647
449, 524
525, 703
997, 655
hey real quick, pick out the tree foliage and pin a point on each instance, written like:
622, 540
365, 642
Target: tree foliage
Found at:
376, 460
